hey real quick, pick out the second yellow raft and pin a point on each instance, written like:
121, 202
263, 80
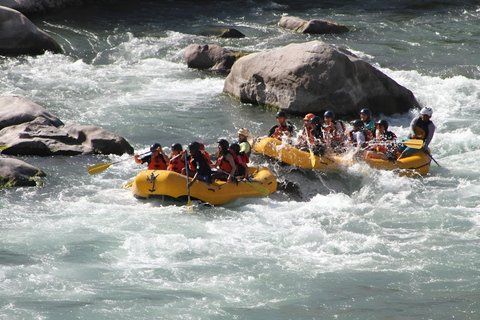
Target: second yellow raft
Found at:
417, 164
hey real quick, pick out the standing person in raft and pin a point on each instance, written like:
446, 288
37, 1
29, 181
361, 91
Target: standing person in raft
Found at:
197, 161
157, 160
421, 128
283, 128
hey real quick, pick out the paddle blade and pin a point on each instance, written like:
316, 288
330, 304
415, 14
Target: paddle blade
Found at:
259, 188
414, 143
127, 185
97, 168
312, 159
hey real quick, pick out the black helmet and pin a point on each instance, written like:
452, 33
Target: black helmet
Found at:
281, 114
367, 112
235, 147
329, 114
155, 146
383, 123
194, 146
177, 147
316, 120
357, 123
223, 143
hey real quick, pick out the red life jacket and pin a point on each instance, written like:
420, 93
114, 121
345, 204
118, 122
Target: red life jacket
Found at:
176, 164
280, 131
334, 134
157, 163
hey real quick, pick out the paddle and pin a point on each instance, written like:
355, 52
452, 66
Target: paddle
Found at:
431, 157
413, 143
257, 187
189, 201
312, 156
100, 167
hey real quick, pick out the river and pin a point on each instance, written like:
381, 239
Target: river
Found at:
358, 244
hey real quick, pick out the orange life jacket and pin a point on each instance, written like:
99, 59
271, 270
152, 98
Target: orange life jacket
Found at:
176, 164
223, 163
157, 163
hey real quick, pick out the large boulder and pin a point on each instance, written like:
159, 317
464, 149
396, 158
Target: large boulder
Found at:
210, 57
28, 129
37, 7
18, 35
314, 77
16, 173
313, 26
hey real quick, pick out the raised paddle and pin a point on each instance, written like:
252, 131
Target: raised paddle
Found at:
100, 167
189, 201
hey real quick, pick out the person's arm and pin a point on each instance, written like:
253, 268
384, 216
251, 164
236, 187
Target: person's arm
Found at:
165, 157
231, 161
412, 128
431, 131
271, 132
195, 178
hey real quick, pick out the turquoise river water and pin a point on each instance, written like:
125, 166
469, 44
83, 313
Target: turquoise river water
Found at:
358, 244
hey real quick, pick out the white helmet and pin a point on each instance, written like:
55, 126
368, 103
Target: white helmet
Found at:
426, 111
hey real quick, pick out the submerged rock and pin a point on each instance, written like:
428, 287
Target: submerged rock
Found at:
224, 33
210, 57
28, 129
313, 26
314, 77
17, 173
18, 35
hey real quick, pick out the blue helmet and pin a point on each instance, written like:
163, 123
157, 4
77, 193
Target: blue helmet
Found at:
329, 114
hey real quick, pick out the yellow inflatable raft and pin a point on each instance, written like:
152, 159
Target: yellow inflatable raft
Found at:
418, 163
158, 183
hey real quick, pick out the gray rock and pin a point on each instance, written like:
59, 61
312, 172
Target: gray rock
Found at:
18, 35
224, 33
28, 129
314, 77
210, 57
16, 110
16, 173
313, 26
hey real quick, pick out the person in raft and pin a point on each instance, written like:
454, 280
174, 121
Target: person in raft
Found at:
226, 162
157, 160
198, 162
177, 158
245, 146
242, 161
384, 146
422, 128
368, 123
334, 131
206, 154
283, 128
357, 136
304, 136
